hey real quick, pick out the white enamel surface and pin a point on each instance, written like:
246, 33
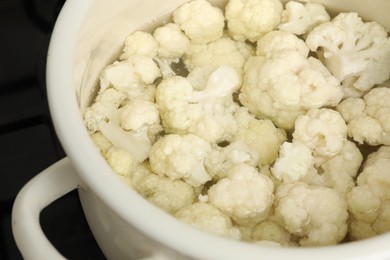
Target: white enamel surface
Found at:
46, 187
124, 224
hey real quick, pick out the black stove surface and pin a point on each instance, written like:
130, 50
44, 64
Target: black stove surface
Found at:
27, 139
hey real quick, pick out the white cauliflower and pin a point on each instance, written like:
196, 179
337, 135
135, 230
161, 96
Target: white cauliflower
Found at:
368, 118
356, 52
101, 142
181, 157
285, 83
299, 18
121, 161
251, 19
323, 130
339, 172
198, 76
141, 117
223, 51
121, 126
245, 195
139, 43
241, 129
261, 135
169, 195
210, 219
221, 159
105, 106
172, 42
316, 215
200, 21
133, 77
207, 113
295, 161
369, 201
137, 146
276, 42
271, 231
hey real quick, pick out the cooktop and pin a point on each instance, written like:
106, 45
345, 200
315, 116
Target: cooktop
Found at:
27, 139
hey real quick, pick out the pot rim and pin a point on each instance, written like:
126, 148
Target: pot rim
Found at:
97, 176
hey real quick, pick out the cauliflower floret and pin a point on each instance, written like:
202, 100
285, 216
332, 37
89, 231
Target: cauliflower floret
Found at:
139, 43
297, 163
339, 172
223, 51
271, 231
369, 202
173, 43
132, 71
207, 113
368, 118
356, 52
105, 106
245, 195
141, 117
251, 19
294, 162
200, 21
323, 130
275, 42
138, 147
181, 157
101, 142
316, 215
222, 159
121, 161
351, 108
132, 77
285, 83
138, 114
198, 77
260, 135
210, 219
169, 195
298, 18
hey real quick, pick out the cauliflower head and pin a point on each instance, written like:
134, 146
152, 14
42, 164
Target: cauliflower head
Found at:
105, 107
169, 195
208, 113
251, 19
208, 218
285, 83
139, 43
222, 159
339, 172
245, 195
172, 42
356, 52
133, 77
121, 161
295, 161
300, 18
200, 21
323, 130
181, 157
369, 201
368, 118
261, 135
316, 215
142, 118
269, 230
223, 51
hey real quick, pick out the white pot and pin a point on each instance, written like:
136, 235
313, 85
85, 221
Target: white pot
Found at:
88, 34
